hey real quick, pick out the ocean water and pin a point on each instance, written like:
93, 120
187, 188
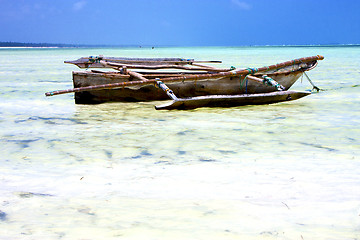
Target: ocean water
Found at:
126, 171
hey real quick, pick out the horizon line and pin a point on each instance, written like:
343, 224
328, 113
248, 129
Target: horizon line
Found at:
10, 44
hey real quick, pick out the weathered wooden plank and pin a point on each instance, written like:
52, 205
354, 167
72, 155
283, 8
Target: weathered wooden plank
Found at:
137, 76
155, 67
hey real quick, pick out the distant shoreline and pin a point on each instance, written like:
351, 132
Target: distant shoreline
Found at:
33, 45
61, 45
49, 45
27, 47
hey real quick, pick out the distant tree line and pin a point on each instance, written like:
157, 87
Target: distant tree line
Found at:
20, 44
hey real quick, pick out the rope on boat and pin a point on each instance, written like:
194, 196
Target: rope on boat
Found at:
96, 59
312, 84
242, 82
247, 80
252, 70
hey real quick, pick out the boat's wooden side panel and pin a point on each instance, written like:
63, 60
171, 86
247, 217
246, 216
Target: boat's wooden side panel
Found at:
84, 79
227, 86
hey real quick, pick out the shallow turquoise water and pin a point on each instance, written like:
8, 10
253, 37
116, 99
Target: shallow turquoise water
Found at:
126, 171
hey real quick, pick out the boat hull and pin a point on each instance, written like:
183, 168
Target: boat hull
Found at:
220, 86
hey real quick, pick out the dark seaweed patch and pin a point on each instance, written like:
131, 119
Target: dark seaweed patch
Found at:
108, 153
206, 160
142, 154
320, 146
20, 121
53, 141
86, 211
52, 120
207, 213
25, 143
31, 194
226, 152
279, 118
163, 162
2, 216
181, 133
145, 153
268, 233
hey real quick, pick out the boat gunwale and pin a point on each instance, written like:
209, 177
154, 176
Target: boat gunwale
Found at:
150, 75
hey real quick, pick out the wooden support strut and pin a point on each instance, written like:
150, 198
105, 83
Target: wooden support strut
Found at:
137, 76
267, 80
271, 82
255, 79
166, 89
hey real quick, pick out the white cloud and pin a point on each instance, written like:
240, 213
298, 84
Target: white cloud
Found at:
241, 4
79, 5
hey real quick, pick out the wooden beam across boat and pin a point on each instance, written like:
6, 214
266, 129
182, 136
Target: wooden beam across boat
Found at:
232, 100
162, 66
94, 62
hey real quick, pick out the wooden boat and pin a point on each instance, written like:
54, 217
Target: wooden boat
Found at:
187, 82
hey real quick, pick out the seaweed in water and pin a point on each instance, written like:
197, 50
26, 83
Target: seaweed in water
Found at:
25, 143
206, 160
30, 194
2, 216
86, 210
53, 120
319, 146
145, 153
163, 162
180, 152
226, 151
108, 153
181, 133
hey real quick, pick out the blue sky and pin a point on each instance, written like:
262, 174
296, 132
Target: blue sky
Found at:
182, 22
